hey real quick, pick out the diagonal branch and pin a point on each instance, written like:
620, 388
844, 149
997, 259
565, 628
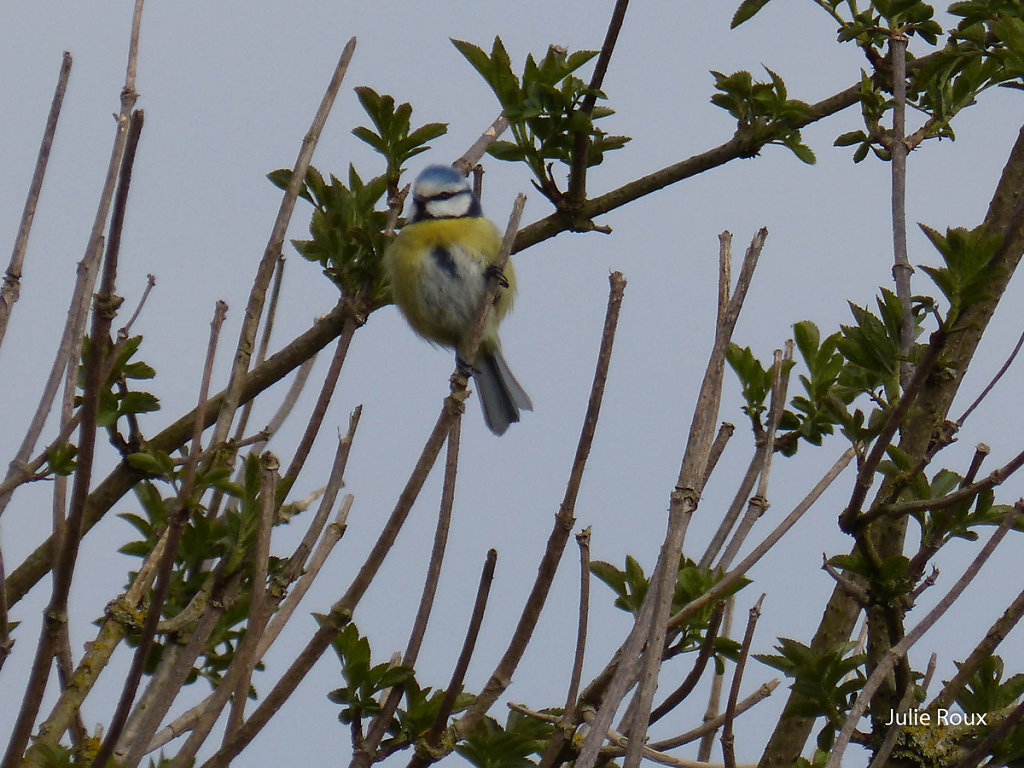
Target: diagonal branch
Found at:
12, 278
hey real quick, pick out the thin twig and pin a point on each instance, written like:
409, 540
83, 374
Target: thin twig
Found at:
901, 269
982, 651
712, 712
454, 688
854, 589
684, 500
289, 401
898, 651
567, 722
316, 418
758, 503
213, 508
707, 649
175, 529
562, 526
728, 739
6, 644
995, 379
733, 513
468, 161
125, 330
689, 682
365, 750
336, 480
254, 307
261, 351
124, 477
105, 307
725, 432
12, 278
583, 540
258, 602
577, 192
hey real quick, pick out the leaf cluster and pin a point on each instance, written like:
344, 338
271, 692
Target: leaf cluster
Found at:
630, 586
546, 107
987, 691
764, 112
364, 681
957, 521
861, 359
347, 231
228, 540
490, 745
366, 686
394, 137
828, 682
966, 274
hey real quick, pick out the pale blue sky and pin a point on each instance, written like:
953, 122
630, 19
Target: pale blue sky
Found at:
229, 89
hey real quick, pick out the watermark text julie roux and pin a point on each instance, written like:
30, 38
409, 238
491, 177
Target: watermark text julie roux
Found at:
939, 717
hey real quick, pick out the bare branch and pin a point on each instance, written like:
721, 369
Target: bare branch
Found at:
105, 307
983, 650
728, 739
254, 307
683, 502
165, 568
432, 739
897, 146
707, 649
712, 711
581, 140
259, 607
12, 278
472, 156
563, 523
365, 750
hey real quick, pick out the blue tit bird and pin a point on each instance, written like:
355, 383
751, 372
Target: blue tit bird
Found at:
438, 265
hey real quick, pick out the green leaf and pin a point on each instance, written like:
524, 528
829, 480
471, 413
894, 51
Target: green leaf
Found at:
746, 11
61, 459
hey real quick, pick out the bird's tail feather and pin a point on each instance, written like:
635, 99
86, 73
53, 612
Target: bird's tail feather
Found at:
501, 395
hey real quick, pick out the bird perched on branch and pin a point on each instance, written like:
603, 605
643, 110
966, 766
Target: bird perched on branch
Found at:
439, 265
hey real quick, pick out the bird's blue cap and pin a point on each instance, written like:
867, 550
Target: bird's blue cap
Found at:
441, 175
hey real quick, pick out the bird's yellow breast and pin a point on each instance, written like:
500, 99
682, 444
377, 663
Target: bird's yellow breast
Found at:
437, 272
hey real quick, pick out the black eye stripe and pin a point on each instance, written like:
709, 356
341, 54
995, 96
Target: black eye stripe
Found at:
441, 196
